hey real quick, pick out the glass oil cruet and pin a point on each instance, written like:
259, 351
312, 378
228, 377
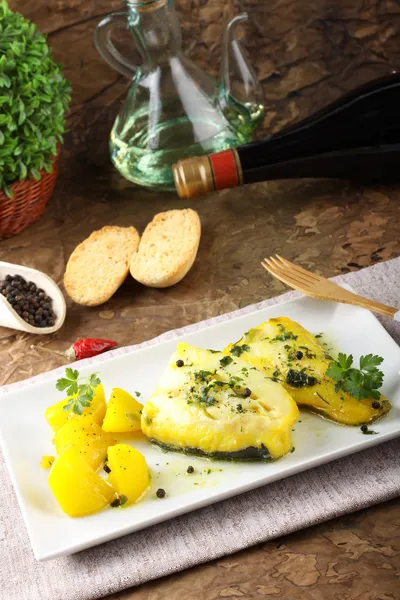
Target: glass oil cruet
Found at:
174, 109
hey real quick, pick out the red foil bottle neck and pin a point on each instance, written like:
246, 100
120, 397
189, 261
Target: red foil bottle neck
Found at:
226, 168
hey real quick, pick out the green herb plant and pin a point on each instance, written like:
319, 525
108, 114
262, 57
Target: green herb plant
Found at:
80, 393
34, 97
360, 383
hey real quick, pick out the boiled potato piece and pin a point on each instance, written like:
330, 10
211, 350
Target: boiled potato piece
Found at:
87, 437
215, 405
129, 472
56, 416
120, 404
77, 487
46, 461
285, 350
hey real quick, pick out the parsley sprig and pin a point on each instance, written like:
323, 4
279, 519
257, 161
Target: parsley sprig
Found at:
80, 395
360, 383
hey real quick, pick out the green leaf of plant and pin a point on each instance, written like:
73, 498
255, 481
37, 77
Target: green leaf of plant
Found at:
80, 394
77, 408
370, 362
62, 384
34, 96
335, 371
72, 374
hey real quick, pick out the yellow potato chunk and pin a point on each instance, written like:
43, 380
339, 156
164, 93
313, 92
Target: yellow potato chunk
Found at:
56, 416
123, 412
77, 487
83, 433
129, 472
46, 461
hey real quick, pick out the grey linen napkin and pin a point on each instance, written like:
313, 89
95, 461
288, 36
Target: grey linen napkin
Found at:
340, 487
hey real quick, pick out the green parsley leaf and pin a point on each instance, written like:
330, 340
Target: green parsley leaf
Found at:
370, 362
71, 374
62, 384
359, 383
80, 395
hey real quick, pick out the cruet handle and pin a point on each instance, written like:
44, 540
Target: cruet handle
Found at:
104, 45
239, 83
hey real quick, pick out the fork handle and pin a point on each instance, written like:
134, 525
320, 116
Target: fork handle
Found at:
378, 307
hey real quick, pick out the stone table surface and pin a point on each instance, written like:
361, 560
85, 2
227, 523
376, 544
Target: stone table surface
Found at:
306, 54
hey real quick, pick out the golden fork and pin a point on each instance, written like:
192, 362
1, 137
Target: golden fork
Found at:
318, 287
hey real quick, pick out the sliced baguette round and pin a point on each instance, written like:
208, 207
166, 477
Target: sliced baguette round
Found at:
100, 264
167, 249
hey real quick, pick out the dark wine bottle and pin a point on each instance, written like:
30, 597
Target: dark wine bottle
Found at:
355, 137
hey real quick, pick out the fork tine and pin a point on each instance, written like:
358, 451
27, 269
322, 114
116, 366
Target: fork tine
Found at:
290, 271
287, 263
289, 279
284, 279
290, 275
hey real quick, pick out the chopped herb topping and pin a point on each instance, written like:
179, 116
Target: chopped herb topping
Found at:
239, 408
238, 350
366, 431
202, 375
299, 379
224, 362
307, 352
284, 335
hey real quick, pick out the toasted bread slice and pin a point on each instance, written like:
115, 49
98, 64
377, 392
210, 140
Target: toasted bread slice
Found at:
167, 249
100, 264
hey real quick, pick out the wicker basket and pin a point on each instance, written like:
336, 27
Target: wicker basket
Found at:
29, 200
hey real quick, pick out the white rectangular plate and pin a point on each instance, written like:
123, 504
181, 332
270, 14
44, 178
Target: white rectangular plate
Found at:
25, 435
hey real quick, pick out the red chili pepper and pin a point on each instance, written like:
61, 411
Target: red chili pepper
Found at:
85, 348
90, 347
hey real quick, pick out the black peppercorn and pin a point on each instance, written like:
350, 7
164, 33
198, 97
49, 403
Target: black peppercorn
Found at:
107, 468
179, 363
160, 493
190, 469
376, 405
115, 502
299, 354
246, 392
364, 428
30, 303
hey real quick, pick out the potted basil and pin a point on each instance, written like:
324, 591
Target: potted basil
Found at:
34, 97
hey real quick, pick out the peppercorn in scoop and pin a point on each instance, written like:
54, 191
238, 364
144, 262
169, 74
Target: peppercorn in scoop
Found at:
29, 302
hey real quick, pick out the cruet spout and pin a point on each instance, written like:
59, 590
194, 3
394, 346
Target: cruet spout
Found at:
241, 94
